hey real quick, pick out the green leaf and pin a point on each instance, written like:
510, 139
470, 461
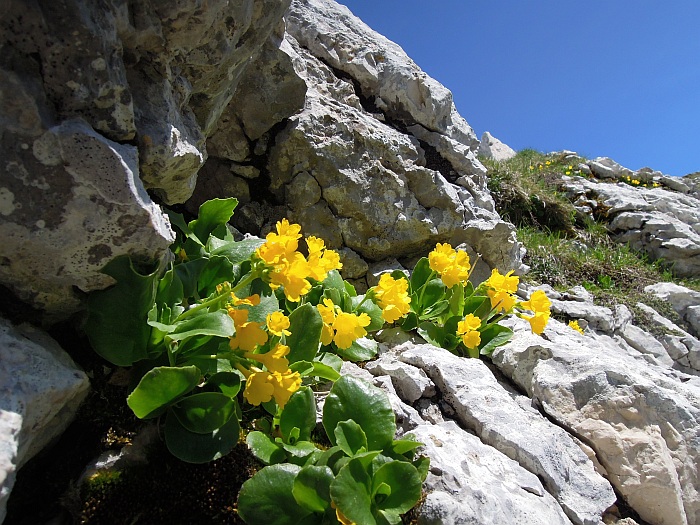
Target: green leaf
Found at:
116, 320
367, 405
432, 333
479, 305
160, 387
170, 290
404, 485
422, 465
203, 413
457, 299
433, 294
200, 448
323, 371
217, 324
188, 275
212, 214
362, 349
305, 325
421, 274
268, 497
264, 448
312, 488
299, 412
334, 281
372, 310
258, 313
351, 493
410, 322
237, 252
301, 453
401, 446
332, 360
216, 271
494, 336
229, 383
350, 437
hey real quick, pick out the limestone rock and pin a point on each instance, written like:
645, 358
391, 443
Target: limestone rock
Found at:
684, 301
606, 168
485, 487
41, 391
384, 72
72, 201
662, 223
484, 407
492, 148
643, 424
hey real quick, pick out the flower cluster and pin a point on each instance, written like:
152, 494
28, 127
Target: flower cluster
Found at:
340, 327
289, 268
638, 182
575, 326
468, 331
392, 296
453, 266
501, 290
539, 304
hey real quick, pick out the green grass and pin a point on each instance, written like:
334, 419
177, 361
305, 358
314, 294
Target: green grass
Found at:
565, 250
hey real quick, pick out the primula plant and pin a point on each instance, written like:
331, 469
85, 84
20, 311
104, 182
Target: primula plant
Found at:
256, 316
235, 331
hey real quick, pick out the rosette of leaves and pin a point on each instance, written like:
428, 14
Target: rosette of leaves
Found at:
436, 311
366, 476
172, 327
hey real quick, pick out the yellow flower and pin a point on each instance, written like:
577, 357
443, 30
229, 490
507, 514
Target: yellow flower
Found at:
467, 329
327, 311
285, 384
258, 388
274, 360
340, 327
393, 298
252, 300
281, 244
248, 334
261, 387
453, 266
321, 260
538, 302
349, 327
277, 323
502, 289
548, 162
574, 325
291, 273
538, 322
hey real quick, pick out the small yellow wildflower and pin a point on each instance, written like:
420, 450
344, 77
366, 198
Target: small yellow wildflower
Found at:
340, 327
274, 360
252, 300
574, 325
540, 304
248, 334
291, 273
467, 329
349, 327
502, 289
261, 387
393, 298
453, 266
277, 323
258, 388
548, 162
321, 259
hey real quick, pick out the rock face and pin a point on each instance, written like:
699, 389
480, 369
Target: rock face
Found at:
358, 122
492, 148
642, 423
41, 391
662, 223
81, 83
313, 116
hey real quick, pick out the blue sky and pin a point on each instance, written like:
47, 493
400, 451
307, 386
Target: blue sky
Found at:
615, 78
